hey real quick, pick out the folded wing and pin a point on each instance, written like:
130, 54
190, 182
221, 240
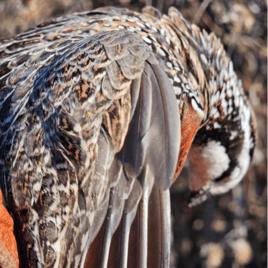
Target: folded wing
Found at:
90, 135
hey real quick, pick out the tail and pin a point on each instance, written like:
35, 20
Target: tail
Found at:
142, 238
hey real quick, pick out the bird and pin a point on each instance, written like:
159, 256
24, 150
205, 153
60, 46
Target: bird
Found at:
99, 111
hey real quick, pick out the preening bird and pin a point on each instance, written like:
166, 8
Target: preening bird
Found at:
98, 112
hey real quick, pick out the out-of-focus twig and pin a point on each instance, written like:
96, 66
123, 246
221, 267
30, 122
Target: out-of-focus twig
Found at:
200, 11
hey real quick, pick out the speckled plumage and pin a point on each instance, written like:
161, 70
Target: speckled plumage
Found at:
98, 113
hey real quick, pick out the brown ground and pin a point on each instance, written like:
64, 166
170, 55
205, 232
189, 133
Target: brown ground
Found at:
229, 230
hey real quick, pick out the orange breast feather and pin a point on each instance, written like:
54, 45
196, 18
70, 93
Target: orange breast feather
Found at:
8, 245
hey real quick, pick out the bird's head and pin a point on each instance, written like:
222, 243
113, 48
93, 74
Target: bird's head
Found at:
218, 135
222, 150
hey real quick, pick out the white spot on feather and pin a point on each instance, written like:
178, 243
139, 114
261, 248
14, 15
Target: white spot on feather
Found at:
131, 29
167, 40
160, 51
177, 90
203, 58
216, 125
148, 25
233, 134
177, 79
146, 39
131, 20
169, 65
140, 24
196, 107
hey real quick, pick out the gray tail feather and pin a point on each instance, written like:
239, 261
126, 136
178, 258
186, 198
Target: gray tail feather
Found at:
142, 238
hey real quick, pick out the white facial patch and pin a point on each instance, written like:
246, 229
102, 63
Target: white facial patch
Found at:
219, 161
206, 164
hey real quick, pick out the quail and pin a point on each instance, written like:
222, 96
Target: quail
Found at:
98, 112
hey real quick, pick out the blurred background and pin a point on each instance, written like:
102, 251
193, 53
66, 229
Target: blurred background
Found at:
229, 230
